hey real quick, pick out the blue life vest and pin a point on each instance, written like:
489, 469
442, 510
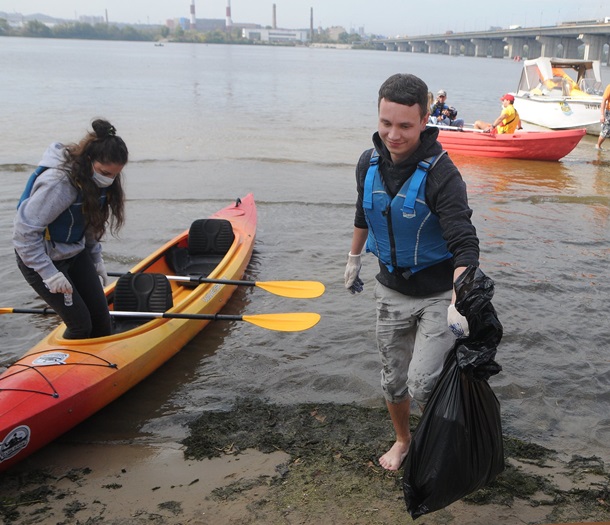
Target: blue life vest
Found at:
403, 232
70, 225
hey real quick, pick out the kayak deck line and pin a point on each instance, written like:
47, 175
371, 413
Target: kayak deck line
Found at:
51, 360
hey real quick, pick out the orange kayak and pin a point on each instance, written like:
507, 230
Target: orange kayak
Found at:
60, 382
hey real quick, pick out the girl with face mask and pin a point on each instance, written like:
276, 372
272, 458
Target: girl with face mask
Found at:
69, 201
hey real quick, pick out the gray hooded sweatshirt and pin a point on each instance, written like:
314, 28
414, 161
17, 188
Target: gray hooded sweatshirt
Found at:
51, 194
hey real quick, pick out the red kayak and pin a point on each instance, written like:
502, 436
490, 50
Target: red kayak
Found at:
60, 382
530, 145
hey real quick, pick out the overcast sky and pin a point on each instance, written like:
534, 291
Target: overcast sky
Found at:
386, 17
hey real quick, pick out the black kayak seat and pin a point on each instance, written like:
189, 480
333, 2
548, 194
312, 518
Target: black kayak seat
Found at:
140, 292
209, 241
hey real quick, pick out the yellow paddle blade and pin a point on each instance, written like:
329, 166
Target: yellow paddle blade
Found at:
294, 322
43, 311
294, 289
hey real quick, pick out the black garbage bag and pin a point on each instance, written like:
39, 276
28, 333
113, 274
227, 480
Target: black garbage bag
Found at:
457, 447
476, 353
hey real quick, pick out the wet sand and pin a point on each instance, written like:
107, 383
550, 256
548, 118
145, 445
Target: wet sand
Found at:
266, 464
130, 484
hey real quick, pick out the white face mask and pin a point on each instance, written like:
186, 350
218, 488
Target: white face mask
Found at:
101, 181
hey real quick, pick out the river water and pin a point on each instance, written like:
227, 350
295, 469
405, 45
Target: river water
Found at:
208, 123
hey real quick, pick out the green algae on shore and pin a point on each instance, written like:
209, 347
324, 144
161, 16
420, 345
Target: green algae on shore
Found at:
333, 469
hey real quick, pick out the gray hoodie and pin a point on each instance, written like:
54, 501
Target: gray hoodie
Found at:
51, 194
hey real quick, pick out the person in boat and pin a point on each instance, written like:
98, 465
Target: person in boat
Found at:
437, 107
441, 114
566, 83
605, 118
507, 122
68, 202
412, 213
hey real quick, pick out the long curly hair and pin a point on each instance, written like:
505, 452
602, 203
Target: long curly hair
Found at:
104, 146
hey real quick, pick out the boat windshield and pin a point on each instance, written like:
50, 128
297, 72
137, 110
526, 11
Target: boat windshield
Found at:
530, 78
559, 78
589, 84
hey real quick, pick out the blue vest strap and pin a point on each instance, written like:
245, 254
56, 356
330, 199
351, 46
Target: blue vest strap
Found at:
367, 199
423, 166
30, 184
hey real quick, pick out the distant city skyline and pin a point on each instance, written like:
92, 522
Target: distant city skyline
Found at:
386, 17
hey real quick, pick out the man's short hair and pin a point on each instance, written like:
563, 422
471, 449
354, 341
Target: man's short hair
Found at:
406, 89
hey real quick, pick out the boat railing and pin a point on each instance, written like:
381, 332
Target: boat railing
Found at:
455, 128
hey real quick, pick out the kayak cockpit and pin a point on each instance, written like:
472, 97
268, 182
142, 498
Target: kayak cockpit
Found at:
207, 244
140, 292
209, 241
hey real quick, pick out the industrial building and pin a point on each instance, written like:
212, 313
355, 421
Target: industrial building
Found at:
276, 35
252, 32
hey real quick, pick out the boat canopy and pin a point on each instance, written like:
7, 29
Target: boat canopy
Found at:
561, 77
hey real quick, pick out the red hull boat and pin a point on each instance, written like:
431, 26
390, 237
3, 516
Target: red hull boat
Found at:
530, 145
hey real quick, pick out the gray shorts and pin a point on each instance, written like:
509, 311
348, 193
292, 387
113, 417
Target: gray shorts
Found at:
413, 340
606, 125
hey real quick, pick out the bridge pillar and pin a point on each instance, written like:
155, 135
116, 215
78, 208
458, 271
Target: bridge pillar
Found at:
548, 46
455, 47
594, 46
570, 47
437, 48
469, 48
481, 47
497, 49
516, 46
534, 49
418, 47
403, 47
390, 46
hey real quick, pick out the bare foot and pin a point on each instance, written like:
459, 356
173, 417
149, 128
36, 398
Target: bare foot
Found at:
393, 458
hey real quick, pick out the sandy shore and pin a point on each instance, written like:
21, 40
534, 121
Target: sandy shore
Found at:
305, 479
130, 484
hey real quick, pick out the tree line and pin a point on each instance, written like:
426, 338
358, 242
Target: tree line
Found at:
86, 31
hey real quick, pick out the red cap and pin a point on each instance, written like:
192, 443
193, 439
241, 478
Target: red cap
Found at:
508, 97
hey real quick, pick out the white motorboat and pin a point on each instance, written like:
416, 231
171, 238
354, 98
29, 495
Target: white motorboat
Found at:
560, 93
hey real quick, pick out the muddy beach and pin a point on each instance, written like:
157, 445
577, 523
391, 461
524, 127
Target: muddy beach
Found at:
262, 463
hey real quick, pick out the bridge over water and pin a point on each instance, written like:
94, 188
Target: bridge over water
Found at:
590, 40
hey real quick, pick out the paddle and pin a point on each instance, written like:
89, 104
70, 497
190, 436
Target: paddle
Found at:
294, 289
292, 322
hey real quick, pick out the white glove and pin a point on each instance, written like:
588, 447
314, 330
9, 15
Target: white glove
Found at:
352, 279
100, 268
457, 322
58, 283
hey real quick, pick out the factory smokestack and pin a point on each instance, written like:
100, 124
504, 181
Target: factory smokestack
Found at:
193, 19
311, 22
229, 22
274, 21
